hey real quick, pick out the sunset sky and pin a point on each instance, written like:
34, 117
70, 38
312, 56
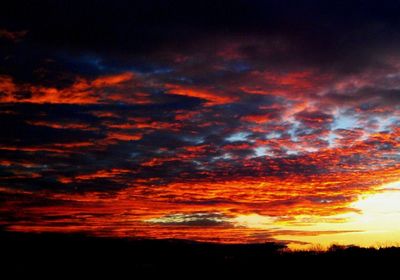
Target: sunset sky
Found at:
252, 121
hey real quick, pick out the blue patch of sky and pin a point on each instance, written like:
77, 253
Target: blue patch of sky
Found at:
92, 63
292, 131
194, 140
331, 139
292, 152
386, 123
273, 135
225, 156
239, 66
261, 151
83, 64
239, 136
344, 122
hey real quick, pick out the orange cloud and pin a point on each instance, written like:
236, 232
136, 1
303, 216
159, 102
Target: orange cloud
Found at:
7, 88
102, 174
79, 126
118, 213
212, 97
111, 80
81, 92
125, 136
293, 85
258, 119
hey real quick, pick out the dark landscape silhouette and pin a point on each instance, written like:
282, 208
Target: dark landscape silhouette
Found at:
77, 251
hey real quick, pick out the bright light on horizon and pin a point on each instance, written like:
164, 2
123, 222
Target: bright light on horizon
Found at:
376, 224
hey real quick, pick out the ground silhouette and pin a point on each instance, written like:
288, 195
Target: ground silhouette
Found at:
27, 252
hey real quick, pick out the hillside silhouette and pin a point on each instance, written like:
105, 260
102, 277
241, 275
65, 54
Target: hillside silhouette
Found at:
70, 252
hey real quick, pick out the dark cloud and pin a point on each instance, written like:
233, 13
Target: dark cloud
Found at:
173, 111
194, 219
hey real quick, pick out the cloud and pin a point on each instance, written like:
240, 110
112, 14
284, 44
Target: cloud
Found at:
211, 97
194, 219
234, 113
13, 36
80, 92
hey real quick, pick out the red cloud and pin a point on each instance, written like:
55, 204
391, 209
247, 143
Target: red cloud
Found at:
212, 97
14, 36
258, 119
124, 136
81, 92
111, 80
177, 158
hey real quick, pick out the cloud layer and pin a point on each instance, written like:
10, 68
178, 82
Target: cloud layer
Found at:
157, 121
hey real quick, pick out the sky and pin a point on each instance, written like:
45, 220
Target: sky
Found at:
239, 122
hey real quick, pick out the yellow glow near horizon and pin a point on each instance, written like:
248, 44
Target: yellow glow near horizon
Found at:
377, 223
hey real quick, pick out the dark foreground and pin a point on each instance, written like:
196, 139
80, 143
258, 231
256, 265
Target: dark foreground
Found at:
23, 252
